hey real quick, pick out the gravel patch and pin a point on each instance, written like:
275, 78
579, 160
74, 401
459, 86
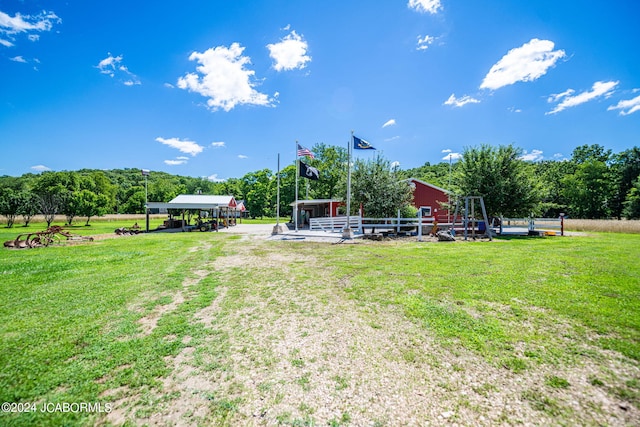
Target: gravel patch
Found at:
288, 346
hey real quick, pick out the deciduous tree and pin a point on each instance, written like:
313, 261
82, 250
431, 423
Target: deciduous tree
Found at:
378, 188
498, 175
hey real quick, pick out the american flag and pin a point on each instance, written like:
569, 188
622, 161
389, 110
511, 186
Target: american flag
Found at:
304, 152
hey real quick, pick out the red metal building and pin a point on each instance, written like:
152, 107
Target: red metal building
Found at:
429, 198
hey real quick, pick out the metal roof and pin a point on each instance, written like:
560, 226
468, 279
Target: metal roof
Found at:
315, 202
196, 201
205, 198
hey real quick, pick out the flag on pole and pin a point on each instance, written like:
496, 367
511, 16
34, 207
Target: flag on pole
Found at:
302, 151
309, 172
361, 144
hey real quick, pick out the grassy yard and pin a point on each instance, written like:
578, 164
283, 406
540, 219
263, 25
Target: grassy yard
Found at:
220, 329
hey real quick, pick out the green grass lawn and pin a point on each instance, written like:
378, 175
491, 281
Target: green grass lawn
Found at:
478, 293
70, 315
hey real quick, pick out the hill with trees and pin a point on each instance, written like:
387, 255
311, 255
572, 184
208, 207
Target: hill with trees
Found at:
594, 183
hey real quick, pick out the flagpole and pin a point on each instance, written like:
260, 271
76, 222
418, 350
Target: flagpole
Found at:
347, 233
278, 229
295, 208
278, 196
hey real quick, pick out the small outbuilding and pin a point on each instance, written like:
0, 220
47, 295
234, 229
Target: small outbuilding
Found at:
430, 199
222, 208
316, 208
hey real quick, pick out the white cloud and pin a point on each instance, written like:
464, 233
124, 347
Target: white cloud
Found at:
18, 59
395, 164
451, 155
112, 66
393, 138
391, 122
214, 178
218, 144
185, 146
40, 168
447, 150
424, 42
178, 161
569, 100
627, 107
523, 64
223, 78
425, 6
555, 97
242, 156
533, 156
459, 102
10, 26
108, 65
290, 53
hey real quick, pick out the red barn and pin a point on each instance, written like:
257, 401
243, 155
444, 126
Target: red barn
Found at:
429, 198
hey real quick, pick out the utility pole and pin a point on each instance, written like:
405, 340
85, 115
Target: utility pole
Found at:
145, 173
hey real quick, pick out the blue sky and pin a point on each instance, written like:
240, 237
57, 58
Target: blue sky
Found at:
218, 88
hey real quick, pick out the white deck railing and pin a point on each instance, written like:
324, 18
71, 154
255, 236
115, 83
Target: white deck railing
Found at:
336, 223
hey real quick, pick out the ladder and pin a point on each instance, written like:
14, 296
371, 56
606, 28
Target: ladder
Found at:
470, 200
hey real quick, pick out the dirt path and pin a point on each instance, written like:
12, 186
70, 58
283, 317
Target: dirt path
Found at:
289, 347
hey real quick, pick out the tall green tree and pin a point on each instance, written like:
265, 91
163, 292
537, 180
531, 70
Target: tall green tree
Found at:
379, 189
590, 190
625, 169
92, 204
632, 203
258, 188
331, 161
28, 206
551, 175
10, 203
585, 153
134, 201
287, 189
506, 182
53, 191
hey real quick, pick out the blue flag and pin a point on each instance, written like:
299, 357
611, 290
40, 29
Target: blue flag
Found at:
361, 144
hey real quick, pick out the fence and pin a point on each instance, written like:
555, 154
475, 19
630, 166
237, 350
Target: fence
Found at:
336, 223
399, 225
381, 225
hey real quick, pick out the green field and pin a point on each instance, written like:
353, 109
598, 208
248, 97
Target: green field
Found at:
221, 329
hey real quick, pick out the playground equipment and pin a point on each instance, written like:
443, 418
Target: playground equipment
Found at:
51, 235
469, 219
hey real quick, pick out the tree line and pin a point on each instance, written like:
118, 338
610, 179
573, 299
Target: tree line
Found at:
593, 183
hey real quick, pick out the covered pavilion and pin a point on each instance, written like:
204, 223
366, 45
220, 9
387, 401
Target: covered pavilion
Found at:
219, 207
